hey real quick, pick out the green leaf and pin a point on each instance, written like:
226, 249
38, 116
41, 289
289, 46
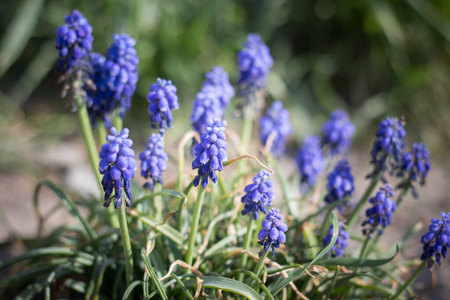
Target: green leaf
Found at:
19, 32
130, 288
356, 262
68, 204
84, 257
225, 241
297, 273
172, 193
153, 275
226, 284
164, 229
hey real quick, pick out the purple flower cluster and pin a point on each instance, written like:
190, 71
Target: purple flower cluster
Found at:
258, 195
205, 107
118, 166
98, 108
340, 183
436, 240
153, 161
163, 99
415, 166
380, 214
387, 151
218, 78
310, 161
74, 42
210, 152
341, 243
117, 82
273, 231
275, 121
254, 62
338, 132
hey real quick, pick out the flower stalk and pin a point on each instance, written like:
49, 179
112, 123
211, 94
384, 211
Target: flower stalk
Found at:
194, 225
126, 243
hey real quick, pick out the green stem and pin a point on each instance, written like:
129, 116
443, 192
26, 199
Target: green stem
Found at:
352, 219
246, 246
325, 224
88, 137
101, 133
117, 121
411, 279
260, 263
126, 243
364, 247
158, 204
194, 225
293, 211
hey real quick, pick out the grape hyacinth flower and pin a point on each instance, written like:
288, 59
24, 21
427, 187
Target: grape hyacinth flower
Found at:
118, 166
119, 75
205, 107
415, 165
341, 243
310, 161
163, 99
340, 183
210, 152
275, 121
436, 241
258, 195
98, 107
273, 231
74, 42
380, 214
338, 132
387, 151
254, 62
153, 161
218, 78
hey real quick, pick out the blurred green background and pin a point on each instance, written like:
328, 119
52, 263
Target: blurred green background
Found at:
372, 58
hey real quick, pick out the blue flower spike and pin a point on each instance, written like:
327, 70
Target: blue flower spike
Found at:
153, 161
254, 62
258, 195
205, 107
414, 168
74, 43
162, 100
379, 216
387, 151
340, 184
118, 167
210, 152
338, 132
341, 243
218, 78
436, 240
310, 161
272, 233
275, 121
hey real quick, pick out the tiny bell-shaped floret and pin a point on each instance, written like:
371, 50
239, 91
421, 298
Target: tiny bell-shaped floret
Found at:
258, 195
218, 78
275, 121
273, 231
210, 152
118, 167
162, 100
436, 240
337, 133
153, 161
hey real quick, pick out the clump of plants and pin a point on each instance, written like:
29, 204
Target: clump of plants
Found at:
211, 235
